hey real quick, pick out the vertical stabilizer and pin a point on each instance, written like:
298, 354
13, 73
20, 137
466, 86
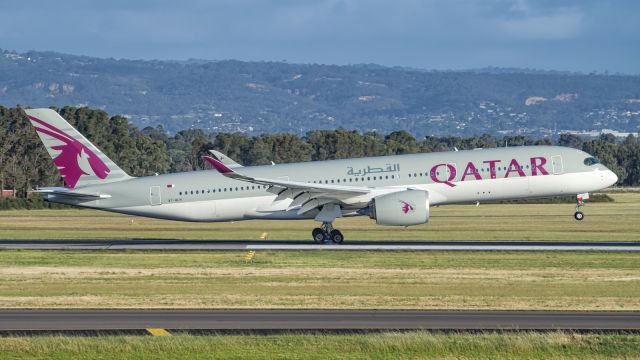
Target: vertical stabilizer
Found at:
79, 162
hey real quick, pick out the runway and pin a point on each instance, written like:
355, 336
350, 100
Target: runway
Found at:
353, 245
310, 320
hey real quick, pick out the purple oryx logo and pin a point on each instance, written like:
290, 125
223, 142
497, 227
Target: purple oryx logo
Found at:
74, 159
406, 207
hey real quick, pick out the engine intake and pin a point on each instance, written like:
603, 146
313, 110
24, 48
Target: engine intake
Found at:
403, 208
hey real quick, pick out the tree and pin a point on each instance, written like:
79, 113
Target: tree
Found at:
628, 157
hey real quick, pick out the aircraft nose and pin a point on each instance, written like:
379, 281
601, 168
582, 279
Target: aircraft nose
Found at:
611, 177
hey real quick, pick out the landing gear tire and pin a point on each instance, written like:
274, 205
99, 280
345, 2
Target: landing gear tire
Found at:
579, 215
326, 234
336, 236
318, 235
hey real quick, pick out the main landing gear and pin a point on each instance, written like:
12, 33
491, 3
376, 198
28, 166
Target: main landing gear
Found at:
579, 215
326, 233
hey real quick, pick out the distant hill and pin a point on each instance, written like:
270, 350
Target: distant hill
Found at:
258, 97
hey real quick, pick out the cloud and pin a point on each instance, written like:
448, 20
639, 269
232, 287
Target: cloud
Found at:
565, 24
554, 34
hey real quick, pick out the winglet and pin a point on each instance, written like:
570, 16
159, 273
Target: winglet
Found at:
220, 167
229, 162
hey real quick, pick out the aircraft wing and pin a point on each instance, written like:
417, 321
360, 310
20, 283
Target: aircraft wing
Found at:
306, 195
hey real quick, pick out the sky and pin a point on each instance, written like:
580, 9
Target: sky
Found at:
568, 35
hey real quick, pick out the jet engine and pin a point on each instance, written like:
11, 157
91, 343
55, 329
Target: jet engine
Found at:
403, 208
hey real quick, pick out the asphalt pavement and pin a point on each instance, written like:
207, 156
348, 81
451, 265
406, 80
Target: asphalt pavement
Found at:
353, 245
305, 320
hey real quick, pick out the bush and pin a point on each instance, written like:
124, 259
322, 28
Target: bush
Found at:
35, 202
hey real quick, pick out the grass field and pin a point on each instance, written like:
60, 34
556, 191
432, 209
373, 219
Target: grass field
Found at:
418, 345
320, 279
604, 221
326, 279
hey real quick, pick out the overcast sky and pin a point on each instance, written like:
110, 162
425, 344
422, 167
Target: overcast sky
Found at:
575, 35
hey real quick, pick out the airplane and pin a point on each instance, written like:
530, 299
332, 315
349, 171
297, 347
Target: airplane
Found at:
393, 190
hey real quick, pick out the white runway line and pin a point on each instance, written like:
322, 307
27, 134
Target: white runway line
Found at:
445, 247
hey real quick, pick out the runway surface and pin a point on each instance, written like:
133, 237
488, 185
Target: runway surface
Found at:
78, 320
155, 244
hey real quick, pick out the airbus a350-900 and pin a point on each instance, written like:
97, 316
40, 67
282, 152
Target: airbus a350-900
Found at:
393, 190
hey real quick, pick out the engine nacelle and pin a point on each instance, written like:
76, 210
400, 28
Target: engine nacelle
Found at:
403, 208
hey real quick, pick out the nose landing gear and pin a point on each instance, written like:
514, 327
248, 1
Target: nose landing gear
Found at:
580, 198
326, 233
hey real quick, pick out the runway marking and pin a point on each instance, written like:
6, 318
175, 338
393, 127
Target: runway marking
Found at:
249, 256
549, 247
158, 332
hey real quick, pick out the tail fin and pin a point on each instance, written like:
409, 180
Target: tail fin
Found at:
79, 162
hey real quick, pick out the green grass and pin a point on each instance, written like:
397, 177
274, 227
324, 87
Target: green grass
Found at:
320, 279
604, 221
416, 345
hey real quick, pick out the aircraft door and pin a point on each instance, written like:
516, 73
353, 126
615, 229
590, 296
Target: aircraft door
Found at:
154, 195
556, 162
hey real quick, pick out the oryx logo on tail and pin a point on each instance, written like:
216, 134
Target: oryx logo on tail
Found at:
74, 159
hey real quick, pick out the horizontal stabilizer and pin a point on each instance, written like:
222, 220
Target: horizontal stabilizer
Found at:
63, 192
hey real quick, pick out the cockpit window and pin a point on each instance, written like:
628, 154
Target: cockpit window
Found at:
591, 161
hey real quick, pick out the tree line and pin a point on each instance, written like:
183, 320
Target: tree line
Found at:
25, 164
